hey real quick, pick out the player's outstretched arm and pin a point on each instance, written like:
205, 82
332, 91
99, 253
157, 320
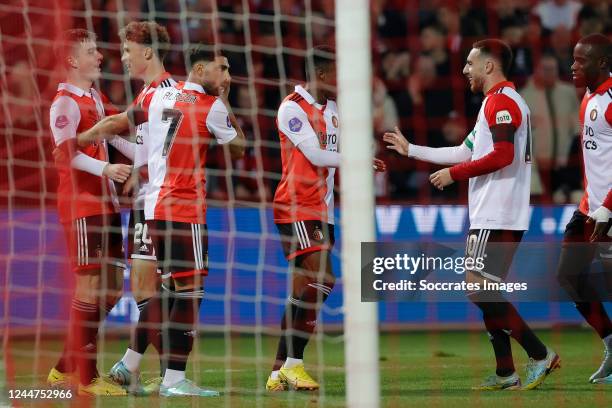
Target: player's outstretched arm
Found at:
107, 128
440, 155
501, 156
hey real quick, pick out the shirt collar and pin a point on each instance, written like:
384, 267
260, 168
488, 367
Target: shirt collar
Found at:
304, 94
165, 75
500, 85
73, 89
601, 89
192, 86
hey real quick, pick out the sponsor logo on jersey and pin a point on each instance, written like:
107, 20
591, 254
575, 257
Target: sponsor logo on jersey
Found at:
143, 248
61, 121
295, 124
593, 114
335, 121
503, 117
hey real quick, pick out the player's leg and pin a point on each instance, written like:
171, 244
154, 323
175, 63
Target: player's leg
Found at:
183, 256
501, 318
577, 254
91, 300
145, 285
312, 282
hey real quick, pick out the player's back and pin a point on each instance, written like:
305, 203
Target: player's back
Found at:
596, 138
179, 140
143, 99
80, 194
500, 199
305, 191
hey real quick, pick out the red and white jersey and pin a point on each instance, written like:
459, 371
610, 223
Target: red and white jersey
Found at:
182, 120
305, 192
596, 138
142, 100
79, 193
500, 200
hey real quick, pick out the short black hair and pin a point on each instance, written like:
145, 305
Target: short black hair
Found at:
497, 49
320, 57
202, 53
600, 44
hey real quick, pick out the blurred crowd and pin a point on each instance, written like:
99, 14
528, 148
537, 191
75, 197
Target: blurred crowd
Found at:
419, 49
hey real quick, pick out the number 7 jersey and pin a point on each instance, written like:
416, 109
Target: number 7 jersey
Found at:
183, 120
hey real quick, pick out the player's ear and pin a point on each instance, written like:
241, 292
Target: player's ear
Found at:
72, 62
489, 66
148, 53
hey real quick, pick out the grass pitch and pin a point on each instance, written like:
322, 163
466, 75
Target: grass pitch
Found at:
417, 369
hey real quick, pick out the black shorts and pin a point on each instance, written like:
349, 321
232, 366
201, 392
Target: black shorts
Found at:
181, 249
495, 250
95, 241
302, 237
135, 229
577, 229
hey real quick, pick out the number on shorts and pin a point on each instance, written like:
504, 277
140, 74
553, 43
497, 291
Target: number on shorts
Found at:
141, 234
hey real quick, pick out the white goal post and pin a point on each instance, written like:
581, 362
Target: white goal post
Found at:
354, 61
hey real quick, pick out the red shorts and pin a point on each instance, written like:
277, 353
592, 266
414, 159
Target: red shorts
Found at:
95, 241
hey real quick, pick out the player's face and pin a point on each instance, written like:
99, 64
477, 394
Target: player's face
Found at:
327, 79
87, 60
216, 75
585, 69
474, 70
134, 58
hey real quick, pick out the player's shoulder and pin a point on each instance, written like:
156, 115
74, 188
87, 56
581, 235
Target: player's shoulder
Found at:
64, 102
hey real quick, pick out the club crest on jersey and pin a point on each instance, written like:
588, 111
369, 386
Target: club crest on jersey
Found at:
61, 121
295, 124
317, 234
593, 115
503, 117
335, 121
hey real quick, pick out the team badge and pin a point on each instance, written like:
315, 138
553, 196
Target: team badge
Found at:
335, 121
317, 234
295, 124
61, 121
593, 115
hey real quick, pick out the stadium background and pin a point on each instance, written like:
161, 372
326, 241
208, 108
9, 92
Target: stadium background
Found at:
418, 53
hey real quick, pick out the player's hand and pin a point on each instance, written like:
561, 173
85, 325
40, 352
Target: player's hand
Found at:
224, 89
601, 218
396, 141
131, 185
117, 172
59, 156
441, 178
379, 165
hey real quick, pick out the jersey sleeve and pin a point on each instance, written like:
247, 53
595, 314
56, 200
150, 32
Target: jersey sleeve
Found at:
609, 114
500, 109
293, 122
219, 124
469, 140
64, 119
